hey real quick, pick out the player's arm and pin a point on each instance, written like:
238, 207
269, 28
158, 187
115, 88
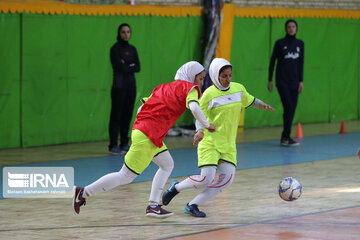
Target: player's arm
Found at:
199, 135
193, 104
261, 105
200, 116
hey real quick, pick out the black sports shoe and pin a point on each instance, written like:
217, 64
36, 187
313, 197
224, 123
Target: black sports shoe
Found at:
193, 210
78, 199
170, 193
157, 212
288, 142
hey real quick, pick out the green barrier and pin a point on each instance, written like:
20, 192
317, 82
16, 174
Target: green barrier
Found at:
44, 80
250, 54
89, 76
331, 68
64, 66
9, 81
67, 74
343, 68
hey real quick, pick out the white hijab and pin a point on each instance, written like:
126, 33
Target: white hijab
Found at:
188, 71
214, 69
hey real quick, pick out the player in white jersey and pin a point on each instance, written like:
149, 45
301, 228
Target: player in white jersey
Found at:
221, 104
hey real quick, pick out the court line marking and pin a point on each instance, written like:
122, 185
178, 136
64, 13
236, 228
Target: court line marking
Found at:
236, 225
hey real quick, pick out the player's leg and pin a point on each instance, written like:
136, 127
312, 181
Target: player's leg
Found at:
136, 160
166, 165
208, 160
226, 173
105, 183
196, 181
110, 181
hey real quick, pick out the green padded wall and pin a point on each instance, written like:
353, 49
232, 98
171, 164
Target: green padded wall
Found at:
67, 73
89, 77
44, 80
249, 56
56, 74
343, 69
10, 80
331, 68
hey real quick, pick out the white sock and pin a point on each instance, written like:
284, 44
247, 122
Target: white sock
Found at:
84, 194
198, 181
226, 173
166, 165
109, 181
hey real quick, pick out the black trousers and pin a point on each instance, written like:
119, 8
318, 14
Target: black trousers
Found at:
289, 99
122, 107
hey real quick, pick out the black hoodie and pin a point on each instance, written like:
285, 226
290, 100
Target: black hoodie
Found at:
123, 73
289, 52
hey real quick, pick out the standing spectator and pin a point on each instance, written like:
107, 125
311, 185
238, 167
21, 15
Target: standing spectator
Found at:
289, 52
125, 63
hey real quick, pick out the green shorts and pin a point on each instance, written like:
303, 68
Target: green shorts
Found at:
142, 151
210, 156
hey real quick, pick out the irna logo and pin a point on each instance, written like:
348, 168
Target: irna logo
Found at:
43, 182
18, 180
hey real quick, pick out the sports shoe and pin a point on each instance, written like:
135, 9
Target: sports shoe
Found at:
288, 142
193, 210
157, 212
170, 193
115, 150
78, 199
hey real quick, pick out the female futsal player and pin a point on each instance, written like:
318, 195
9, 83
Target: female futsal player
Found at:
221, 104
156, 116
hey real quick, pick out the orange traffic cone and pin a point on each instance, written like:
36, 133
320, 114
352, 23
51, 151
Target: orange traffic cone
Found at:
299, 133
343, 128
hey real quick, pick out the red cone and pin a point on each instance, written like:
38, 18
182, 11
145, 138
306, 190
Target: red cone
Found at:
343, 128
299, 133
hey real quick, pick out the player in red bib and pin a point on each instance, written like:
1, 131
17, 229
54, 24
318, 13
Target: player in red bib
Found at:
154, 119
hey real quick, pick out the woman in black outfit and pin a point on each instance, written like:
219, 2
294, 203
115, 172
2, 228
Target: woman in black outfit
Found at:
289, 52
125, 63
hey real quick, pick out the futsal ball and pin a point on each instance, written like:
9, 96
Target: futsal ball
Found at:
290, 189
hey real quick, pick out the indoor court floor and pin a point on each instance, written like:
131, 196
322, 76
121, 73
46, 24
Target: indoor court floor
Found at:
326, 163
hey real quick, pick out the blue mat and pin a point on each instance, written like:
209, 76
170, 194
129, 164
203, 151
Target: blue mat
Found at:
250, 155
